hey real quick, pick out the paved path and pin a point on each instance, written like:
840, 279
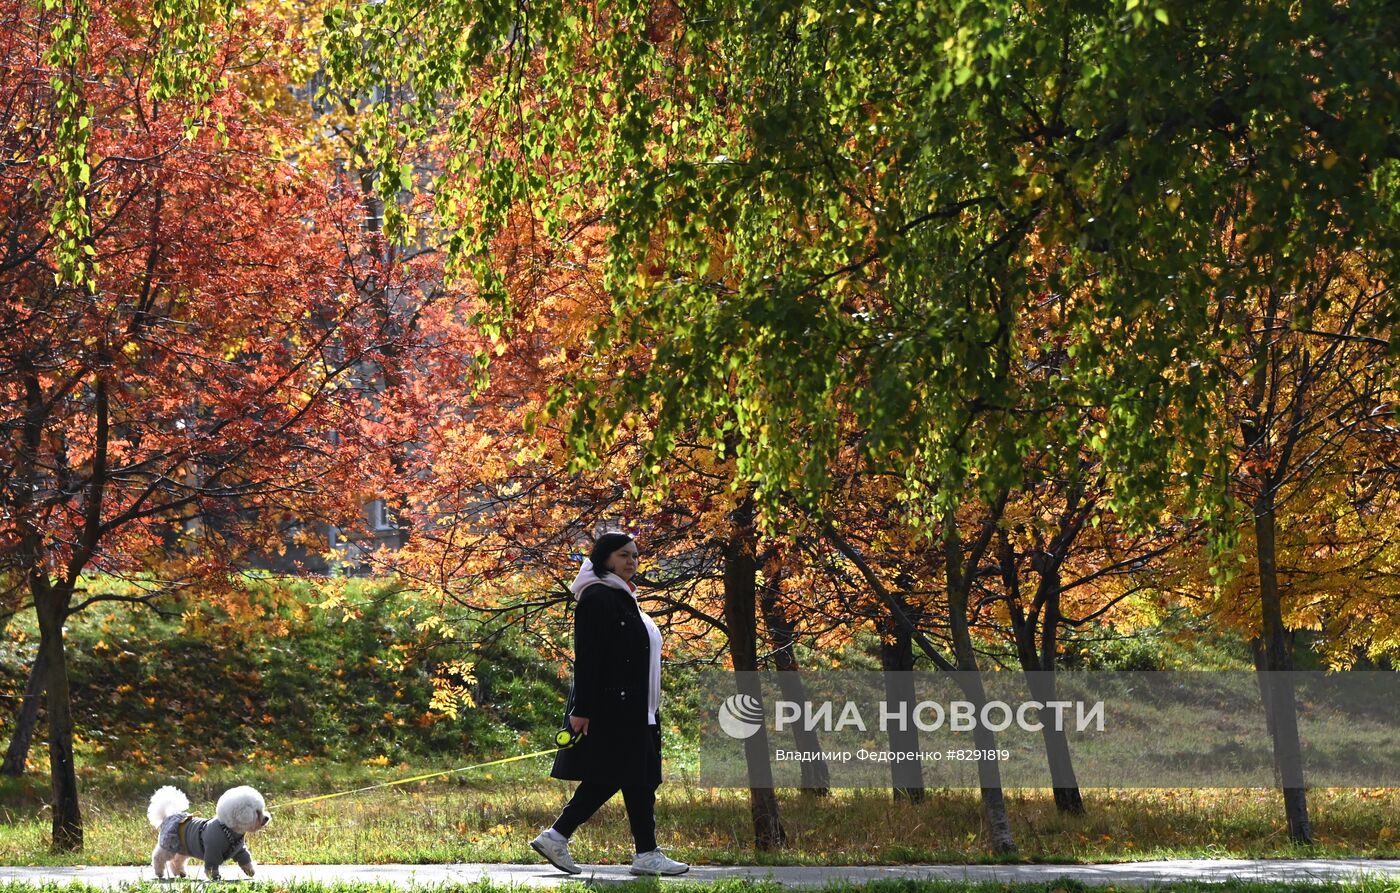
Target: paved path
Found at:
1122, 874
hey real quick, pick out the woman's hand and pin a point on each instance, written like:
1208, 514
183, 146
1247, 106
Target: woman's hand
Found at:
579, 724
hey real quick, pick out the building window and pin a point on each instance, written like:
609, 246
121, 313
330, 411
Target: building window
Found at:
379, 516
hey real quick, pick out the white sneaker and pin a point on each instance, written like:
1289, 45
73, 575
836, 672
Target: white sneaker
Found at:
656, 862
556, 851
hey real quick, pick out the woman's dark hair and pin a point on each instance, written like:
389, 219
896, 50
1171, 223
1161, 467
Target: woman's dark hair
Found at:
603, 548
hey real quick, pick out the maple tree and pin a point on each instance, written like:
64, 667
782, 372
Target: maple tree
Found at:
1065, 568
1311, 405
195, 391
1058, 544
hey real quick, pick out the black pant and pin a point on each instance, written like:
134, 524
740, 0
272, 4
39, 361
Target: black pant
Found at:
590, 795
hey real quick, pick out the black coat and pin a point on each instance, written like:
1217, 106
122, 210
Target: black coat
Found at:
612, 660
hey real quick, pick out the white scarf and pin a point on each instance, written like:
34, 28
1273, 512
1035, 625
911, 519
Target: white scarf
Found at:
587, 576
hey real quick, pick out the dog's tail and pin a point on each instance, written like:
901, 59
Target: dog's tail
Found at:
164, 803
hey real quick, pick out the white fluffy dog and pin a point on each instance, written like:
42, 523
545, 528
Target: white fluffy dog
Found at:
179, 835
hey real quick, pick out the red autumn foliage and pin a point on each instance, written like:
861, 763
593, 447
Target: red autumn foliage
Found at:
228, 370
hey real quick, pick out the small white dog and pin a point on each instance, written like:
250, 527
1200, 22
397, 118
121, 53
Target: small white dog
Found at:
241, 811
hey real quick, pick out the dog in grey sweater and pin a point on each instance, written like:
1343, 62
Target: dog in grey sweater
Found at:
179, 835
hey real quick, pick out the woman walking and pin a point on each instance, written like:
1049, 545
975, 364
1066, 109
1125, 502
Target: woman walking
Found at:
613, 708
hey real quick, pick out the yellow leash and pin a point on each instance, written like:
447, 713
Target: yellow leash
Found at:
564, 738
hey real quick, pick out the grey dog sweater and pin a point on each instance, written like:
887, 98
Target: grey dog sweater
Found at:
207, 839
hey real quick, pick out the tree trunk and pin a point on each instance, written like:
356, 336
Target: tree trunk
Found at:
28, 717
816, 775
1281, 703
994, 813
1261, 674
897, 659
741, 616
51, 605
1068, 799
1038, 662
969, 678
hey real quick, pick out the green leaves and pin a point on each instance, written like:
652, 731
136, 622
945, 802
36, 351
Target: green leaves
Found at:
837, 225
181, 67
68, 218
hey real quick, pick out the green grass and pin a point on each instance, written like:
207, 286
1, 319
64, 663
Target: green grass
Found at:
490, 815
